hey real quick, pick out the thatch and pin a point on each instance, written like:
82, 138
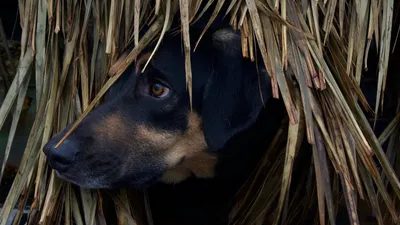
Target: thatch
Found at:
314, 51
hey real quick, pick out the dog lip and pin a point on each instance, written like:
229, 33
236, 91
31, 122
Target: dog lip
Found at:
68, 178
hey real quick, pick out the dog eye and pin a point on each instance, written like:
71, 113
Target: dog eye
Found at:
158, 90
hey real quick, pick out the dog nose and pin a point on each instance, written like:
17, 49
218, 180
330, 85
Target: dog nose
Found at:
62, 157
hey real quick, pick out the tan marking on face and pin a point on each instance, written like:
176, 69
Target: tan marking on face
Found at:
110, 126
201, 165
192, 147
141, 62
160, 140
176, 175
175, 146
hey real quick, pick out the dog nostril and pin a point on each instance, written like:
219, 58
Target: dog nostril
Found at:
62, 157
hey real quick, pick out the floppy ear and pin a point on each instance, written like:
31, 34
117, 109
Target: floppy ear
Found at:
234, 94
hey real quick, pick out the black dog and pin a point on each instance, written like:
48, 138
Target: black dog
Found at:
145, 134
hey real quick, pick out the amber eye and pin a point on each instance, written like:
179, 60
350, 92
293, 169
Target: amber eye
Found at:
158, 90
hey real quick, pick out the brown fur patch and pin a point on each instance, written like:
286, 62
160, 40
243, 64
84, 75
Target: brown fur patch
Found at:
110, 126
156, 138
141, 62
191, 147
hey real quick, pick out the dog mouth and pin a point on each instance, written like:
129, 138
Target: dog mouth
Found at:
84, 180
90, 181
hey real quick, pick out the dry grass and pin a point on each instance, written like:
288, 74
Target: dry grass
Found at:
314, 52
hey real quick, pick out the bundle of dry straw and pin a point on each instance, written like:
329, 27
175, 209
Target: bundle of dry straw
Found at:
314, 50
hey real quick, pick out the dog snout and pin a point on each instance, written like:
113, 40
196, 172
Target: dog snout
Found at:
62, 157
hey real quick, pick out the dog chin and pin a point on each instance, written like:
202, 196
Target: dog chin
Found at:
98, 184
87, 184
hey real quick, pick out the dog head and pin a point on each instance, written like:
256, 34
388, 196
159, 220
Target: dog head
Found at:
145, 130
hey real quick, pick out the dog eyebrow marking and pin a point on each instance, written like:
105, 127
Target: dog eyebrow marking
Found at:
110, 125
146, 134
142, 60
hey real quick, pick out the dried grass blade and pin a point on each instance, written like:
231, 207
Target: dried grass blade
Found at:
128, 15
349, 145
214, 15
231, 5
167, 23
41, 178
245, 38
75, 209
3, 39
265, 198
136, 21
295, 62
205, 8
100, 218
351, 41
371, 193
53, 193
330, 14
351, 202
305, 60
68, 53
95, 53
157, 7
67, 207
122, 207
387, 168
258, 30
194, 8
294, 140
40, 46
15, 120
319, 60
126, 59
243, 205
361, 39
84, 71
390, 128
322, 178
341, 16
58, 17
25, 27
111, 34
23, 200
337, 136
370, 35
24, 170
274, 67
147, 208
234, 15
22, 73
48, 127
377, 5
89, 204
315, 17
284, 35
184, 10
386, 32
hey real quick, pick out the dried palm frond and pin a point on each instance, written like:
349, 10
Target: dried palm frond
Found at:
314, 51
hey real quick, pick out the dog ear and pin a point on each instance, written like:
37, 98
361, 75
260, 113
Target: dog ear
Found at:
234, 94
